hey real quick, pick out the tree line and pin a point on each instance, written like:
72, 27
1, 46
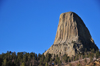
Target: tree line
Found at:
33, 59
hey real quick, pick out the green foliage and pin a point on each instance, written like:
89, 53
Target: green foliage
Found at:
97, 54
65, 58
92, 50
59, 64
70, 64
23, 64
85, 60
32, 59
1, 60
73, 41
39, 55
42, 58
48, 57
4, 63
79, 64
32, 54
76, 58
91, 55
30, 64
13, 55
46, 64
20, 56
57, 60
94, 64
11, 59
40, 64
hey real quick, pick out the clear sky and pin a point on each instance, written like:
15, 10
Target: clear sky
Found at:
31, 25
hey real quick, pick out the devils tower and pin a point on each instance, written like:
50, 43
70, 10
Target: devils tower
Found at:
72, 36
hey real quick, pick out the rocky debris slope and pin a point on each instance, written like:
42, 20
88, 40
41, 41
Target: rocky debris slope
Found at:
72, 36
94, 63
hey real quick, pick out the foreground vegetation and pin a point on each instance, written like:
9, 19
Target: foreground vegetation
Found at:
32, 59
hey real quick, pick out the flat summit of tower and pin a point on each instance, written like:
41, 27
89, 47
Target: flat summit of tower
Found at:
72, 36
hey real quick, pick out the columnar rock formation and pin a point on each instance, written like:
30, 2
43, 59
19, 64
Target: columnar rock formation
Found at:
72, 36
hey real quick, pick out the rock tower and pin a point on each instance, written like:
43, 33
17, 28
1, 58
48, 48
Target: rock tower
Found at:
72, 36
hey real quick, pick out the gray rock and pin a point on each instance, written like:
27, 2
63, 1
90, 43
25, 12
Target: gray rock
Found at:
72, 36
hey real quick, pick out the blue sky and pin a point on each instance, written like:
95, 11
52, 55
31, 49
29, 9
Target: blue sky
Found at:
31, 25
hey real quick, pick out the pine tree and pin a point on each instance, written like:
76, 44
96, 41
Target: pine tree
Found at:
97, 54
4, 63
46, 64
30, 64
79, 64
23, 64
70, 64
47, 58
65, 58
40, 64
85, 61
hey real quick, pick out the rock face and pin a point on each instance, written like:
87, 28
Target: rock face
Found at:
72, 36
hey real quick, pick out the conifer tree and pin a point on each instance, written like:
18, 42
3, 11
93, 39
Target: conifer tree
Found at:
85, 61
46, 64
97, 54
4, 63
23, 64
70, 64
